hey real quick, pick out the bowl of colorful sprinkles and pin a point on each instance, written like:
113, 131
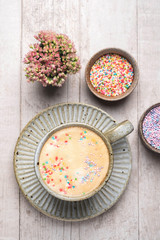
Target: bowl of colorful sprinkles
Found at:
112, 74
149, 128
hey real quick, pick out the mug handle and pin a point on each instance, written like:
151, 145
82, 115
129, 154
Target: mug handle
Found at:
119, 131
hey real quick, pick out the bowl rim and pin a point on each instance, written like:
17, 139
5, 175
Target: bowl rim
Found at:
43, 141
122, 53
140, 129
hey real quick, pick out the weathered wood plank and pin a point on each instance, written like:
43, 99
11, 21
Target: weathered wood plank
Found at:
149, 164
92, 25
39, 15
72, 24
10, 34
72, 30
112, 24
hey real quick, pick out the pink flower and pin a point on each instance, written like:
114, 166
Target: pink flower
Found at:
51, 59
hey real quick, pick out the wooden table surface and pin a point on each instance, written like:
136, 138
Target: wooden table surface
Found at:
93, 25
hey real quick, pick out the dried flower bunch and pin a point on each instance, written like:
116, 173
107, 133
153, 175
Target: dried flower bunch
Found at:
51, 59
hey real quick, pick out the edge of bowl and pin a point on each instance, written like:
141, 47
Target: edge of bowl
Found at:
140, 129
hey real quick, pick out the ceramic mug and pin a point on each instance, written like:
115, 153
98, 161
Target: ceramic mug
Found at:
110, 136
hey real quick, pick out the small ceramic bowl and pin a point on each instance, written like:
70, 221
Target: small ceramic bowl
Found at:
121, 53
140, 129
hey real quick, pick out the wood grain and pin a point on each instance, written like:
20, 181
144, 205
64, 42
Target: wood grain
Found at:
149, 163
10, 33
72, 30
36, 98
114, 24
92, 25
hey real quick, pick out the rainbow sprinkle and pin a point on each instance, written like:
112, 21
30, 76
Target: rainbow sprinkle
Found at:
111, 75
151, 127
83, 135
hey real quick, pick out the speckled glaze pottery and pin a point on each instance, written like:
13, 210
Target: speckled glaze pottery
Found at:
32, 139
111, 136
140, 129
